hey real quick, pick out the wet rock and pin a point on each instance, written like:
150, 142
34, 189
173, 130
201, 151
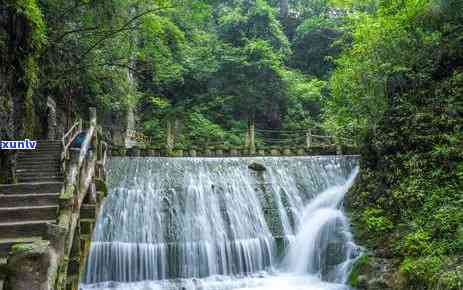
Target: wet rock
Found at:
257, 167
373, 273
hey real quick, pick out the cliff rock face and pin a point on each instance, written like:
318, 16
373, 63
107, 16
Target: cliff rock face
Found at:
405, 207
6, 132
21, 39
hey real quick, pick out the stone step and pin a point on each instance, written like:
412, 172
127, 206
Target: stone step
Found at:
39, 158
34, 187
87, 211
33, 199
39, 154
7, 244
30, 213
36, 169
56, 178
47, 141
24, 229
53, 155
42, 148
48, 144
33, 163
41, 173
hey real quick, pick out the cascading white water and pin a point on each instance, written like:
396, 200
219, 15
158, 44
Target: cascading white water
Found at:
211, 223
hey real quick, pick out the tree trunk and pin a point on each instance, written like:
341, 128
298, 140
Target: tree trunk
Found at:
284, 8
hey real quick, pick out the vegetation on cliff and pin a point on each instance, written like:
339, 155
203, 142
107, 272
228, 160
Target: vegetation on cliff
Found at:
399, 87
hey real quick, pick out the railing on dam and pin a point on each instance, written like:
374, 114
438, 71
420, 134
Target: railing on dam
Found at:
250, 141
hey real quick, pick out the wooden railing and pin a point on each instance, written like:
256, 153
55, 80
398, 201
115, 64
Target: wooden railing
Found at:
68, 137
250, 141
81, 168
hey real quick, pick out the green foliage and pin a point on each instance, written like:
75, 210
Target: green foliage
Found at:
31, 10
252, 20
386, 73
385, 46
423, 271
417, 244
303, 101
403, 103
314, 45
375, 220
314, 23
162, 48
432, 272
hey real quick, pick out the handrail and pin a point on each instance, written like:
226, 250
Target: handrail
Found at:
72, 133
78, 177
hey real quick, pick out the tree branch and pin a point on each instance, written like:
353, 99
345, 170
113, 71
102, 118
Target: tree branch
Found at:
123, 28
109, 33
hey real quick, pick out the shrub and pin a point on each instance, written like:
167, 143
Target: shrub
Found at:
375, 221
416, 244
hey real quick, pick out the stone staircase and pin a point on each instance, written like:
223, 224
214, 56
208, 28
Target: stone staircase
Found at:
28, 206
42, 164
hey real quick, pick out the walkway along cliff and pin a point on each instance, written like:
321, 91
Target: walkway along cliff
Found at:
47, 217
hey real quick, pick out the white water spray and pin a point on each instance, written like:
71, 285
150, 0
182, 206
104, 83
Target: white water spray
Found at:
210, 223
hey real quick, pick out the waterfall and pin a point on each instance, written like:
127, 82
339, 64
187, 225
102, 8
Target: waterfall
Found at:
213, 223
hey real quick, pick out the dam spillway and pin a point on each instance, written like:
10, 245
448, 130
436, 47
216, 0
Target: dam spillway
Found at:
214, 223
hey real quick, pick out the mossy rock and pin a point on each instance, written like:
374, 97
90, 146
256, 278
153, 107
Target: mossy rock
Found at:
68, 194
100, 185
257, 167
30, 248
357, 269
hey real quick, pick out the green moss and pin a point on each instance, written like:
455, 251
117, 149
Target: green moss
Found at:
100, 185
28, 12
68, 194
31, 10
37, 246
18, 248
357, 270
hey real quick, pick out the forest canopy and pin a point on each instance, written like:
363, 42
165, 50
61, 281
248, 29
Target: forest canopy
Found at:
383, 75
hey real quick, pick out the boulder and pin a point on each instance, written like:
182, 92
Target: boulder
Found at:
257, 167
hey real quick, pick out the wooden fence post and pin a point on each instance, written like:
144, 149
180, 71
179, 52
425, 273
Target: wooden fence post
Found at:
170, 137
92, 115
94, 140
338, 146
308, 138
246, 139
252, 138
